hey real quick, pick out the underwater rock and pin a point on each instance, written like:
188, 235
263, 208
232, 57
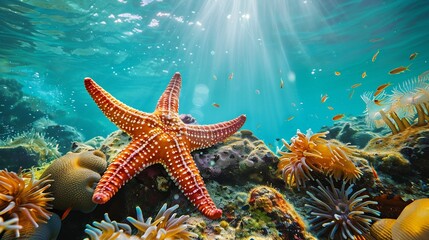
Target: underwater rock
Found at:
353, 130
188, 119
242, 154
75, 176
114, 144
287, 221
65, 136
411, 144
27, 149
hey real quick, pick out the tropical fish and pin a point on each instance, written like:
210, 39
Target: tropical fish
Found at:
364, 74
413, 55
356, 85
378, 102
282, 83
215, 105
381, 88
214, 77
423, 75
338, 117
376, 40
351, 94
290, 118
330, 108
257, 91
231, 76
399, 70
375, 55
66, 213
337, 73
323, 98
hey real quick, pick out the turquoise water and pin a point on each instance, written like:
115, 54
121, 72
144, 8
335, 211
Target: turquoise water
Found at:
132, 49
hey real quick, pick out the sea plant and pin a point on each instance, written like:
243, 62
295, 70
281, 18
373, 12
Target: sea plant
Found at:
165, 226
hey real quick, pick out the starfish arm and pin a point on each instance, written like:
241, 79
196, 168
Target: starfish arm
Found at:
182, 169
169, 100
203, 136
126, 118
138, 155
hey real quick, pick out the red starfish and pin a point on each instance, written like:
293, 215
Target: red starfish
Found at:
159, 137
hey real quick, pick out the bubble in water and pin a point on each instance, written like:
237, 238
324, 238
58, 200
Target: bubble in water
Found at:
212, 52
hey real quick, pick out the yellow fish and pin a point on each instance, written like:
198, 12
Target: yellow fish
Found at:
375, 55
399, 70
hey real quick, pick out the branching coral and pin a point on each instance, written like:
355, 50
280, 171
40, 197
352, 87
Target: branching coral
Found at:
22, 198
311, 152
340, 213
164, 226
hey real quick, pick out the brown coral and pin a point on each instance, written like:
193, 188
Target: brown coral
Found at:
23, 202
75, 176
311, 152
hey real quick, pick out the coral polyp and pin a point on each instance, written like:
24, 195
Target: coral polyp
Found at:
311, 152
23, 201
340, 213
164, 226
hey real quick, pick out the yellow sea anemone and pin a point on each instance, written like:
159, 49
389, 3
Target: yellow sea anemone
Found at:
23, 199
165, 226
311, 152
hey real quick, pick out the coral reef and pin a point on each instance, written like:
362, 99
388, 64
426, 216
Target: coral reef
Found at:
27, 149
164, 226
17, 109
241, 154
75, 176
412, 144
311, 152
24, 202
283, 214
340, 213
353, 131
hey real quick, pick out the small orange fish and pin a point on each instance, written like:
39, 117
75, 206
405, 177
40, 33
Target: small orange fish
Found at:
399, 70
414, 55
323, 98
330, 108
282, 83
375, 55
356, 85
216, 105
290, 118
378, 102
351, 94
337, 73
66, 213
231, 76
376, 40
338, 117
364, 75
